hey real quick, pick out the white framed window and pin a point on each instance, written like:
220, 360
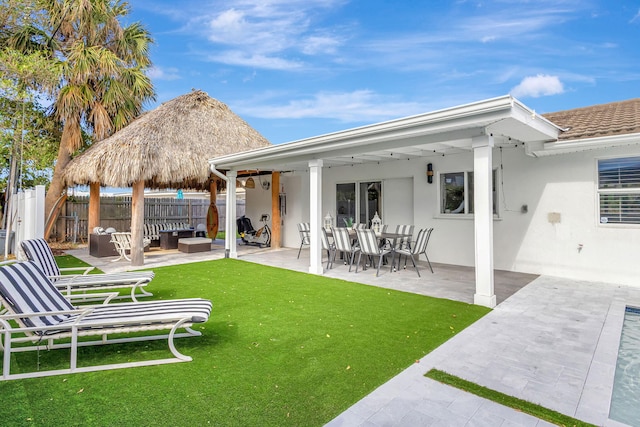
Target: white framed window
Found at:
358, 202
456, 193
619, 190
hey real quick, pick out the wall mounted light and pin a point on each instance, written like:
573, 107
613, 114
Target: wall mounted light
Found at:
430, 173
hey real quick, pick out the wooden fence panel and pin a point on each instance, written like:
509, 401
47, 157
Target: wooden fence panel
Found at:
116, 212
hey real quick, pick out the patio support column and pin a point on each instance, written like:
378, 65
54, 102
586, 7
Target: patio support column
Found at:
483, 219
94, 206
137, 221
315, 216
230, 243
276, 239
93, 218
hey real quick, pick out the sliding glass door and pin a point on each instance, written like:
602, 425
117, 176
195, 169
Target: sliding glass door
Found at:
370, 197
345, 204
358, 202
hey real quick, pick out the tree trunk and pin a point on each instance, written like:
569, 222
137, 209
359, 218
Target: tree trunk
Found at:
57, 186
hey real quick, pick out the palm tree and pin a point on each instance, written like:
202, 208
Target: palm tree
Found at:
103, 85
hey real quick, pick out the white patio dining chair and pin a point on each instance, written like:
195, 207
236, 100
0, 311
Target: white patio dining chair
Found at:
370, 247
419, 247
404, 242
328, 246
304, 229
342, 240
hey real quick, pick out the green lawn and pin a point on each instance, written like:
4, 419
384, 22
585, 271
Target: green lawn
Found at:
281, 348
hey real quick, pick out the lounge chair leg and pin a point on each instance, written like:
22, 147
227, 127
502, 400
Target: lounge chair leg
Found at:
74, 349
172, 346
6, 364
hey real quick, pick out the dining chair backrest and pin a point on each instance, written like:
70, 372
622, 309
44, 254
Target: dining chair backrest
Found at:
361, 226
304, 228
368, 241
404, 242
326, 245
342, 240
420, 245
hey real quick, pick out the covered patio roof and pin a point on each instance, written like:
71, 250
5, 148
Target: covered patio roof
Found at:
442, 132
475, 128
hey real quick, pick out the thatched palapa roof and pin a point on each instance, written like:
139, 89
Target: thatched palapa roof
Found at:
168, 147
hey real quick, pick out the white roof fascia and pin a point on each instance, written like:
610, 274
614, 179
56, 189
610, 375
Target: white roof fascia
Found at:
578, 145
473, 117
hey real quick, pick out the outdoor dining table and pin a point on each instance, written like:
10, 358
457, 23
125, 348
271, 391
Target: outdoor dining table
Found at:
391, 237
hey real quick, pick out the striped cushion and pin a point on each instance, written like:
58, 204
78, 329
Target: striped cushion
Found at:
146, 313
38, 251
26, 289
152, 231
95, 280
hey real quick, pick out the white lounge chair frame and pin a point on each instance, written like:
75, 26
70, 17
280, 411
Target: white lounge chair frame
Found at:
38, 251
25, 302
122, 242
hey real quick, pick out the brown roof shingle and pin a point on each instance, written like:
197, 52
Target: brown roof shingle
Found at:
615, 118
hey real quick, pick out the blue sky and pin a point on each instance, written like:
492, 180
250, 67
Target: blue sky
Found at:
300, 68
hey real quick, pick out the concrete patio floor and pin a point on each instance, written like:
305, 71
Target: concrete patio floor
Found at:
551, 341
448, 281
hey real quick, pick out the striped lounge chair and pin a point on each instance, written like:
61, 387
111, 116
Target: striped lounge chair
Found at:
36, 316
39, 252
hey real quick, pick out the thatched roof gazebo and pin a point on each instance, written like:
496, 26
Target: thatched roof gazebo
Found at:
168, 147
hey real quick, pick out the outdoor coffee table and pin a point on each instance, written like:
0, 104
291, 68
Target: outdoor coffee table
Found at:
194, 244
169, 238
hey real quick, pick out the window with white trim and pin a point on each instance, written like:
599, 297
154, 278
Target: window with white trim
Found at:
619, 190
358, 202
456, 193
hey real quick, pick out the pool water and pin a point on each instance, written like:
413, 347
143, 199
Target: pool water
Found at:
625, 401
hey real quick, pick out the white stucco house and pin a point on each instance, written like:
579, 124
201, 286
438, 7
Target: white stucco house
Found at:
555, 194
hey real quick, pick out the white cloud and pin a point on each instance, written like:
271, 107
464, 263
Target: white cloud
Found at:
636, 18
540, 85
356, 106
264, 33
158, 73
247, 59
320, 44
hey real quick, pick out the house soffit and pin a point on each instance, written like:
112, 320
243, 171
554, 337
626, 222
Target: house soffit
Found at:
509, 123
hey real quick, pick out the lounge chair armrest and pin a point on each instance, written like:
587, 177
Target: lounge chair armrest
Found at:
85, 270
46, 313
105, 296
